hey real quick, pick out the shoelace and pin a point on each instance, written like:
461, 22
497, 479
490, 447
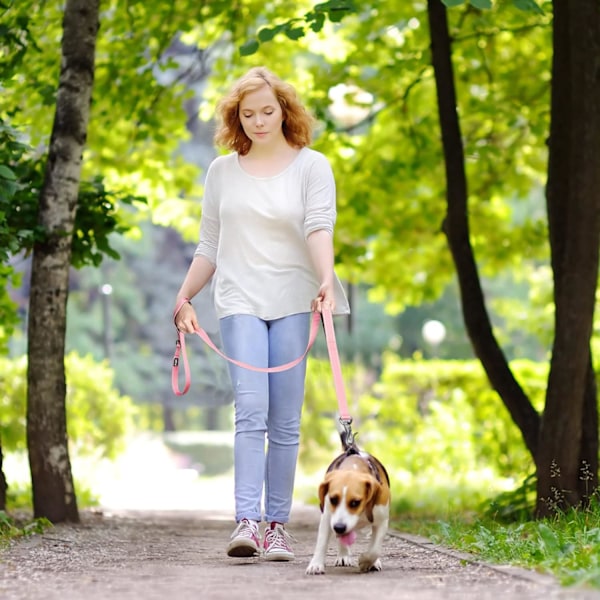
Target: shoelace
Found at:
278, 538
246, 529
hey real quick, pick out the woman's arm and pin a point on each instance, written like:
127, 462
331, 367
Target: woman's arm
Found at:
198, 275
320, 245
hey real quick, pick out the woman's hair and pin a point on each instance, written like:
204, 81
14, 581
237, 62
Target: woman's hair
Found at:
297, 122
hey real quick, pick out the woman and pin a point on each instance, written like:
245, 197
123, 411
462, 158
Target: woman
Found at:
266, 235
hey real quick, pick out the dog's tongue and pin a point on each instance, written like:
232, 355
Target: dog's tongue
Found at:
348, 538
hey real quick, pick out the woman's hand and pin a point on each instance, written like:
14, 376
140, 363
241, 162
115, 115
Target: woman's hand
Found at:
325, 299
186, 319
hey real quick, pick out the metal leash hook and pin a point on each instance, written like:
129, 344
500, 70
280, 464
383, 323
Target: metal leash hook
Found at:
347, 425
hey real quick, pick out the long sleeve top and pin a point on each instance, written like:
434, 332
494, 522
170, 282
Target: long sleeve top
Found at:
254, 231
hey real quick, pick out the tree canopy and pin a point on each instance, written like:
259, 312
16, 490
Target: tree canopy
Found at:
367, 73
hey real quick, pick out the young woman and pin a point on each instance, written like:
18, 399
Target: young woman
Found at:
266, 234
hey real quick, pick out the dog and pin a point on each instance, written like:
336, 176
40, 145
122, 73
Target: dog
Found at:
354, 494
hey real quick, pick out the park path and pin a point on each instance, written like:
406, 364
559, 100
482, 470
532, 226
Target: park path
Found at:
160, 537
161, 555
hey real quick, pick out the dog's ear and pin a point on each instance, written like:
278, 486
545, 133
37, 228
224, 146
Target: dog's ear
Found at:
323, 489
372, 491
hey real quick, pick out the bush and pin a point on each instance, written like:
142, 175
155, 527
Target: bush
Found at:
438, 426
98, 417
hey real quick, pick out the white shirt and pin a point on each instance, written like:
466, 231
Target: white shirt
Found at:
254, 231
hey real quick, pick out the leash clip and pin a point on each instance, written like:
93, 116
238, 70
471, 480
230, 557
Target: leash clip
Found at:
347, 425
177, 352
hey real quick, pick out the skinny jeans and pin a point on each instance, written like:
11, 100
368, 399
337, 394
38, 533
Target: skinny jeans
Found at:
268, 407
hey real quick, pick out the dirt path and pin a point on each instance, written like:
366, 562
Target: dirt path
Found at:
161, 555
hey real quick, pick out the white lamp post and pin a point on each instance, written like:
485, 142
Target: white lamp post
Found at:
106, 291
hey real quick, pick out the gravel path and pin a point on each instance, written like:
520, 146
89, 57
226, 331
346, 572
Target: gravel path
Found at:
179, 555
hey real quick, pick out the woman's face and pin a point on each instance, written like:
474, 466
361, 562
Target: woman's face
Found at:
261, 116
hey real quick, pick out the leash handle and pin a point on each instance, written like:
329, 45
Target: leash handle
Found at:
334, 359
180, 353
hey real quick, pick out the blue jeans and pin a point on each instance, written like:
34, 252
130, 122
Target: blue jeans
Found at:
268, 407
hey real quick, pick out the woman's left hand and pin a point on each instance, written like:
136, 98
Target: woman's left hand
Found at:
324, 300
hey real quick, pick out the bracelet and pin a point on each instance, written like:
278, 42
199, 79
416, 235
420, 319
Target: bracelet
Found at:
179, 306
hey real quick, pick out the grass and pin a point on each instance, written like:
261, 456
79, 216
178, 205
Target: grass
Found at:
566, 546
12, 527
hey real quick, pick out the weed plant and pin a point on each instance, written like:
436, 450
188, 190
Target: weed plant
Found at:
12, 527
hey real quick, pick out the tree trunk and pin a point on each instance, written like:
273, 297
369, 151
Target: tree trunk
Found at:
456, 228
567, 462
52, 481
3, 484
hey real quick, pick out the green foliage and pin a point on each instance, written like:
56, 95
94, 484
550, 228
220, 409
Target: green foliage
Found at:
566, 546
99, 214
369, 81
12, 171
11, 529
98, 217
137, 116
98, 417
514, 505
296, 28
525, 5
437, 425
15, 37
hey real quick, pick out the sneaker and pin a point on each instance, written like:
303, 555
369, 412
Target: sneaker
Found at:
244, 540
277, 543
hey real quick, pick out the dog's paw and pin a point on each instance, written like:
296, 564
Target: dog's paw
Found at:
343, 561
315, 568
368, 562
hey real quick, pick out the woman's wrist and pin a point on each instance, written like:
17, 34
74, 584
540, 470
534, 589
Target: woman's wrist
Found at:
180, 303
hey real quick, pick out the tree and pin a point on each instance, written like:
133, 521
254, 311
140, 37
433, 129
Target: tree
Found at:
388, 160
563, 441
131, 147
567, 458
52, 480
3, 484
563, 437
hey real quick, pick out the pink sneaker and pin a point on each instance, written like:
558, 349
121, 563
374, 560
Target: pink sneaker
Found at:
244, 539
277, 543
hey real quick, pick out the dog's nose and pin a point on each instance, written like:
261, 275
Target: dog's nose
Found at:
339, 528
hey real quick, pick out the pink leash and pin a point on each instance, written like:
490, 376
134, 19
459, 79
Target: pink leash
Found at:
332, 350
334, 359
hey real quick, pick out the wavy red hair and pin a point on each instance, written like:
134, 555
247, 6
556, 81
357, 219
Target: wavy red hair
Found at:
297, 121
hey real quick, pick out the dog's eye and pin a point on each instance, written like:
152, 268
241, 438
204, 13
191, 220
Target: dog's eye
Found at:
354, 503
334, 500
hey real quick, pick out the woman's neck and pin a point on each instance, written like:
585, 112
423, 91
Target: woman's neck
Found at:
267, 161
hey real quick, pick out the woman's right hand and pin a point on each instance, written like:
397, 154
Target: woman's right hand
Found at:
186, 319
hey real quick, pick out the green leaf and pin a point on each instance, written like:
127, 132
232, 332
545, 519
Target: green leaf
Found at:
481, 4
528, 5
317, 22
451, 3
249, 48
7, 173
266, 34
294, 33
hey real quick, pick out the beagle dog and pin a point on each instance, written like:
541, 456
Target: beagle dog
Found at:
354, 494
